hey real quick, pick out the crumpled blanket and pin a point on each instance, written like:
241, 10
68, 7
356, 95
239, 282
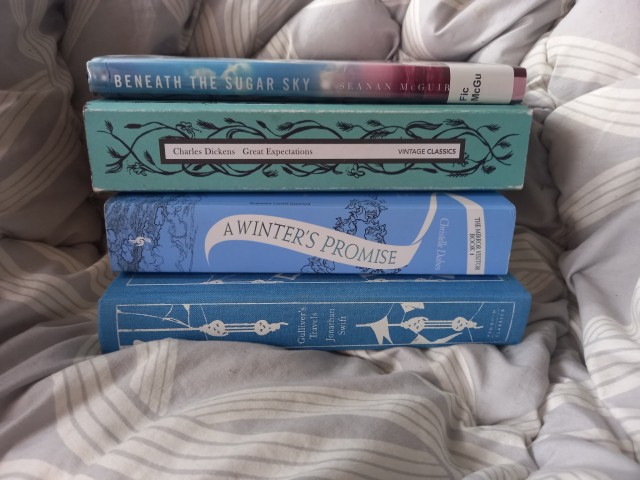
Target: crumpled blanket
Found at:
563, 404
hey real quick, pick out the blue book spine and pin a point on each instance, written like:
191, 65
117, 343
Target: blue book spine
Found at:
403, 232
330, 312
131, 76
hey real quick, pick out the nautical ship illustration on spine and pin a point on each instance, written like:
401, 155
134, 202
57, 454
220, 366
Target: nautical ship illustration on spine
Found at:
218, 328
418, 325
382, 329
214, 328
313, 311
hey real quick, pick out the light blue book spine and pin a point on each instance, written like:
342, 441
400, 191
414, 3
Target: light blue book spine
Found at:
313, 311
341, 232
211, 146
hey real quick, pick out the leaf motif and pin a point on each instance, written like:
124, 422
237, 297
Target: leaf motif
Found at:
287, 170
113, 153
493, 127
344, 126
148, 158
133, 126
109, 126
380, 134
206, 125
270, 173
285, 127
262, 124
504, 144
197, 168
374, 123
489, 169
455, 123
429, 170
229, 120
424, 125
458, 175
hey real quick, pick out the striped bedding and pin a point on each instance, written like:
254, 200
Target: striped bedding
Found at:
563, 404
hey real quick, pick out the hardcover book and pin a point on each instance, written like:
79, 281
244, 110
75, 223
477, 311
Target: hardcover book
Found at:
340, 232
210, 146
313, 311
131, 76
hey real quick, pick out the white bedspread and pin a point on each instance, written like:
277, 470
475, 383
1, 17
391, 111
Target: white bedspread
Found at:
563, 404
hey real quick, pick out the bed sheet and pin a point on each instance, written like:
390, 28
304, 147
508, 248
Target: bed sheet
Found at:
562, 404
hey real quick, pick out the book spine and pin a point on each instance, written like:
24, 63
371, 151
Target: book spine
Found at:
189, 146
350, 319
437, 233
198, 78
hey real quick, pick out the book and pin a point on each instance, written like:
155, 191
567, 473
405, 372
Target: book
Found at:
313, 311
135, 76
341, 232
216, 146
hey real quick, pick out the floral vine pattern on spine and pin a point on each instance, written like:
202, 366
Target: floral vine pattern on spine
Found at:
126, 153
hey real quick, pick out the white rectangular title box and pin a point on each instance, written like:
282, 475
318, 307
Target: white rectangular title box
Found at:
176, 151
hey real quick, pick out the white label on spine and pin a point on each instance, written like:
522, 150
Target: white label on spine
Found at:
309, 150
471, 83
476, 240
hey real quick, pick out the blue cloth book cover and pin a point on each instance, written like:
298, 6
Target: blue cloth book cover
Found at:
313, 311
140, 76
243, 146
341, 232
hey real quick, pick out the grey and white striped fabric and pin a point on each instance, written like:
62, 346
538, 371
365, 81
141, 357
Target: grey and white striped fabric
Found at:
563, 404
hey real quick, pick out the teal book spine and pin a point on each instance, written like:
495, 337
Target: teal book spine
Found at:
313, 311
315, 232
216, 147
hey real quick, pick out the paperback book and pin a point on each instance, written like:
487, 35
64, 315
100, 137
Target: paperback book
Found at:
214, 146
308, 311
131, 76
341, 232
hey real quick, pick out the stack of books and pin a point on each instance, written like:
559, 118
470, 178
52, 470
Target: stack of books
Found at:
308, 204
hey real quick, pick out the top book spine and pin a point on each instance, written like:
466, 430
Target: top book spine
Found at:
142, 76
